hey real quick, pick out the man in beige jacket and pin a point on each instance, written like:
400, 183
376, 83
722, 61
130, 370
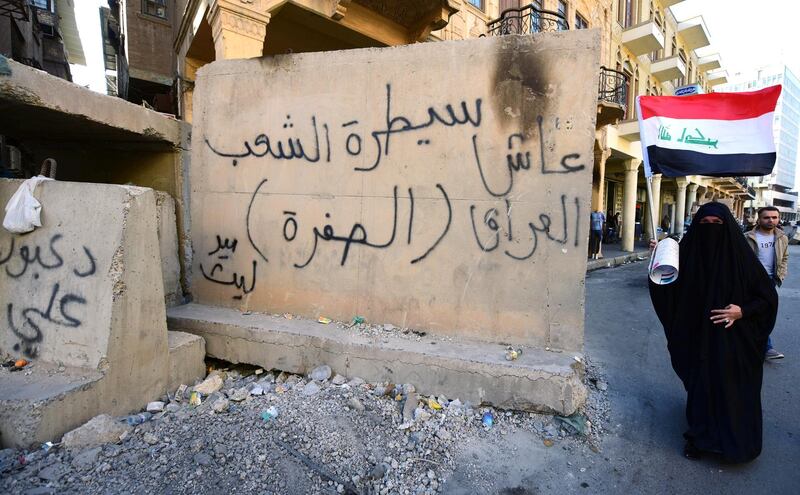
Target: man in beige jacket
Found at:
770, 245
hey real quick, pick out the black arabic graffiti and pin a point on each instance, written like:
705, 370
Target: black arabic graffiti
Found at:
544, 226
405, 124
357, 233
223, 251
358, 229
29, 326
292, 148
35, 256
519, 161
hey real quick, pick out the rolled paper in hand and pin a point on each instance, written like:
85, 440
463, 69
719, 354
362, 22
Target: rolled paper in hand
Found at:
664, 262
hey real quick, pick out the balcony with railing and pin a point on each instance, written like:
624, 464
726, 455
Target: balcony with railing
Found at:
526, 20
612, 96
669, 68
643, 38
717, 77
709, 62
736, 186
694, 33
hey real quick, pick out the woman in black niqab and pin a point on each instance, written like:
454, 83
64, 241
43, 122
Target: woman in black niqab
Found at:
719, 361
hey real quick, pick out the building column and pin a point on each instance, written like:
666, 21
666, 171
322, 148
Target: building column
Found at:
680, 204
691, 197
238, 28
599, 180
656, 206
190, 67
629, 204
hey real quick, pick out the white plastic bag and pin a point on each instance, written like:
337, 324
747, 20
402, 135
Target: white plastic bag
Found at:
23, 211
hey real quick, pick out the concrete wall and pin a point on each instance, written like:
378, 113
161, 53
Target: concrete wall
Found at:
365, 183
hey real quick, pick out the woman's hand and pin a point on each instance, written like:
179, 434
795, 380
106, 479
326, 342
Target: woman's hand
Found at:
726, 316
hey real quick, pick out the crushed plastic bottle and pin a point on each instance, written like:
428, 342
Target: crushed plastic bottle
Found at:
269, 414
137, 419
488, 419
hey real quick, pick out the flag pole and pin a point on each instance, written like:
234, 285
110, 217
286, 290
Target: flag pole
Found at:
653, 223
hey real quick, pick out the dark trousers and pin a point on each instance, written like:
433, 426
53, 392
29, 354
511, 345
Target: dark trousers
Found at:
769, 339
595, 236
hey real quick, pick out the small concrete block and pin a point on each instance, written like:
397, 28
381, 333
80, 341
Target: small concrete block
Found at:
187, 355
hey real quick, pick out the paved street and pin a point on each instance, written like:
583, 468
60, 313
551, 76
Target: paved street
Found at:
643, 454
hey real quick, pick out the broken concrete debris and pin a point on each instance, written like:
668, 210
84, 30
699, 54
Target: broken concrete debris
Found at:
211, 384
321, 373
97, 431
341, 436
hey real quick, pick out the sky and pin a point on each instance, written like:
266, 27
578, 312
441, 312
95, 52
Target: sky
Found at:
87, 15
748, 35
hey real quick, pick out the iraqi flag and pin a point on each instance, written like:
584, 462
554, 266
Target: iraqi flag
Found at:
716, 134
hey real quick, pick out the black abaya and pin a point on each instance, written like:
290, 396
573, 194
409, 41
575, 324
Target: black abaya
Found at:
720, 368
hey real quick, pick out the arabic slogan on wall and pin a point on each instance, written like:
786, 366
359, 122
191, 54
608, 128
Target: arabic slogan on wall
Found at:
54, 284
441, 186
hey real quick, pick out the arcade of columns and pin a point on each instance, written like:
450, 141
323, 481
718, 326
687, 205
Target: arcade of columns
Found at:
689, 192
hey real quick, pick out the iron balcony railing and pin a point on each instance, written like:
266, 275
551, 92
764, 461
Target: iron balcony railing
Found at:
527, 20
613, 87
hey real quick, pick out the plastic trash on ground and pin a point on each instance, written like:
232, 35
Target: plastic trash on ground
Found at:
137, 419
577, 422
269, 414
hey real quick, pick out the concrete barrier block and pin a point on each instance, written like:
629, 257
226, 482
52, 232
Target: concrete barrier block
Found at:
475, 371
84, 291
187, 354
398, 193
168, 247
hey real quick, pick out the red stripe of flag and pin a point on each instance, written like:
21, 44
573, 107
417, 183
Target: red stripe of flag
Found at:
712, 106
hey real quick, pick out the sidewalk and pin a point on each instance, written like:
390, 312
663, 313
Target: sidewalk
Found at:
613, 255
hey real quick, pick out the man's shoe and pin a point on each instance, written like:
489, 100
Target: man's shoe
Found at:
772, 355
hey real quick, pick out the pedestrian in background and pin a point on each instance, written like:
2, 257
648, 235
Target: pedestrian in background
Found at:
770, 244
597, 221
665, 224
717, 317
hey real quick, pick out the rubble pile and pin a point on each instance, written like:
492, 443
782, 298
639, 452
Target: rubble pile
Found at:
251, 430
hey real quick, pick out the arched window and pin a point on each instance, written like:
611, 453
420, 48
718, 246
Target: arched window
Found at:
630, 100
630, 13
682, 56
